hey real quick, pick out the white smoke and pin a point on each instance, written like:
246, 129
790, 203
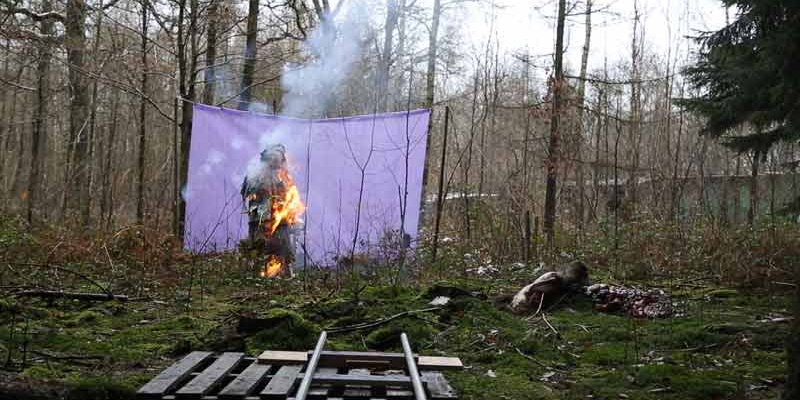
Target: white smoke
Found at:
333, 48
310, 86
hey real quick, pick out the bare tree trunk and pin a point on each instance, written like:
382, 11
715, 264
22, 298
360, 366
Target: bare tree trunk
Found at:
93, 114
385, 61
16, 181
792, 389
581, 101
636, 105
211, 53
75, 42
553, 145
142, 122
250, 54
39, 137
187, 70
468, 163
752, 212
430, 85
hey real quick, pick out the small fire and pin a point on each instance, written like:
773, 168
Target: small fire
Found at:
273, 267
289, 207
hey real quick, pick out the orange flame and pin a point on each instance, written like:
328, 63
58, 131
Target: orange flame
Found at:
288, 208
272, 268
285, 209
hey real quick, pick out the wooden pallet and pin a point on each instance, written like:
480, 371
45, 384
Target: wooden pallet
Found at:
276, 375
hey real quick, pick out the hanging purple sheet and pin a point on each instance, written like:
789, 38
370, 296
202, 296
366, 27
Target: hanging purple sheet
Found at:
326, 159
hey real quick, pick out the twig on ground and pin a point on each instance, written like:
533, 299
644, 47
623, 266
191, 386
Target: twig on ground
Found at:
76, 273
544, 318
378, 322
535, 360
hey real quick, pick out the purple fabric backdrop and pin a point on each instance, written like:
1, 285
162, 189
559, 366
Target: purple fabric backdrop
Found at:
325, 159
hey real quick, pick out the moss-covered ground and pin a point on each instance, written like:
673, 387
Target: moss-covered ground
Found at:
727, 340
722, 347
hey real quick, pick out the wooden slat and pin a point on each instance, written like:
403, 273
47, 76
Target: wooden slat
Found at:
173, 376
283, 357
438, 386
426, 363
245, 382
211, 377
373, 380
341, 359
321, 391
282, 382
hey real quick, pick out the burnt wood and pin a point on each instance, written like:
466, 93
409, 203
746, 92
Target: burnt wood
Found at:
210, 378
173, 376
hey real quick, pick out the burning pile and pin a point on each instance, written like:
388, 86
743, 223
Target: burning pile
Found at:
274, 207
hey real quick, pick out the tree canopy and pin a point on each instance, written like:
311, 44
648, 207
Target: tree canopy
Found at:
746, 73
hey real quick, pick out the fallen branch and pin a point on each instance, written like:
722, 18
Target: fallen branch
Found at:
76, 273
53, 294
544, 318
542, 364
378, 322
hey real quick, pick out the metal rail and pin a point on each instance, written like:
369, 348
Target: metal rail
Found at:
419, 392
305, 384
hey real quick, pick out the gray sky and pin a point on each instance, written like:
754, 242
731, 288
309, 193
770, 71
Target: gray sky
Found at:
530, 24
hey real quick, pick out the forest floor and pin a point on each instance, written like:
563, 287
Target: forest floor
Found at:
726, 345
723, 343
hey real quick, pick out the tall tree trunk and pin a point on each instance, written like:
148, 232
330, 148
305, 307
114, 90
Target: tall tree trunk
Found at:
792, 388
211, 53
91, 159
39, 137
581, 101
553, 145
430, 87
250, 54
142, 122
75, 42
187, 69
752, 212
636, 127
386, 57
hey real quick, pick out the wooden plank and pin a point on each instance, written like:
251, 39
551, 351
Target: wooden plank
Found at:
321, 391
283, 357
438, 387
245, 382
439, 363
171, 377
341, 359
371, 380
211, 377
282, 382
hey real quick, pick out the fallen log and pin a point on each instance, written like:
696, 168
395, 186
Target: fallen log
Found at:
54, 294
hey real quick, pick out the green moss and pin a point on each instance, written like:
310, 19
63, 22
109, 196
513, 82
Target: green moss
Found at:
608, 354
84, 318
388, 337
99, 388
288, 330
40, 372
690, 382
